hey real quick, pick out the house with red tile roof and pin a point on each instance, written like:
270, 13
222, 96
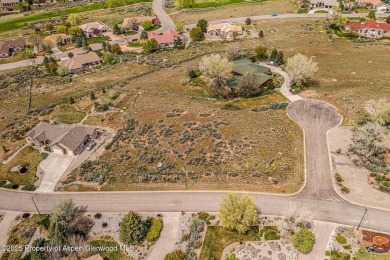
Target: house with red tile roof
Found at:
166, 39
369, 28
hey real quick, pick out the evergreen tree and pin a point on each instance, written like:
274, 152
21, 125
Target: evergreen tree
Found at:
248, 21
144, 35
79, 42
274, 53
45, 60
202, 24
132, 230
279, 60
261, 33
117, 30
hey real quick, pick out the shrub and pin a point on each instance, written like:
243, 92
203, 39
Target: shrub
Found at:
203, 215
345, 189
231, 257
341, 239
44, 221
98, 216
303, 240
2, 183
132, 229
30, 187
176, 255
231, 106
338, 177
63, 71
154, 230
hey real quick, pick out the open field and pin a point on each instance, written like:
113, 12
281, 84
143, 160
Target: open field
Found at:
201, 145
190, 16
217, 238
68, 114
28, 156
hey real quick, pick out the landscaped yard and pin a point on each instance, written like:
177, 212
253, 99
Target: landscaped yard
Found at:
16, 57
28, 156
217, 238
68, 114
208, 3
20, 235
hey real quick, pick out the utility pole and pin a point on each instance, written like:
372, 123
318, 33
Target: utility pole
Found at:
32, 198
365, 211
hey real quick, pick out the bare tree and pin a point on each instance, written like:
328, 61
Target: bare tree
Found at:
247, 84
234, 52
294, 218
300, 68
76, 241
216, 69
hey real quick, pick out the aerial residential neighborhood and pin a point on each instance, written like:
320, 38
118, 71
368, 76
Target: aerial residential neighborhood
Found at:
183, 130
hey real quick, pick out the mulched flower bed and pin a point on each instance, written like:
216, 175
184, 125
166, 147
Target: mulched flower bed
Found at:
378, 242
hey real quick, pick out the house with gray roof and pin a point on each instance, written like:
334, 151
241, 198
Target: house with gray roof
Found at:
62, 138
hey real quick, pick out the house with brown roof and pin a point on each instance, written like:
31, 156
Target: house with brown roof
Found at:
369, 28
62, 138
8, 48
224, 29
166, 39
81, 61
53, 39
94, 29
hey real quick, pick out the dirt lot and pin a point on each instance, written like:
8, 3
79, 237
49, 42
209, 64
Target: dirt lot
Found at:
236, 10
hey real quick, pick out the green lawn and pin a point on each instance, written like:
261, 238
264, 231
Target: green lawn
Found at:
270, 233
28, 156
135, 44
111, 255
153, 28
363, 254
68, 114
98, 39
217, 238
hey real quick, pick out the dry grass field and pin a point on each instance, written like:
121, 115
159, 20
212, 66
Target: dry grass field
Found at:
202, 146
191, 16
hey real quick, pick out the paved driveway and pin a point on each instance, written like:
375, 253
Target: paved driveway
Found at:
168, 237
54, 166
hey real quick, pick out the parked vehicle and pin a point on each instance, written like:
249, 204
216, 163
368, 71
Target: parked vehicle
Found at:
90, 145
292, 91
274, 15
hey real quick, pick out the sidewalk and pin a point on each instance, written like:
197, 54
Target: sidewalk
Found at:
5, 226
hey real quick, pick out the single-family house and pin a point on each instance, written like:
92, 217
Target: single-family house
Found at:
166, 39
245, 66
81, 61
94, 29
134, 22
369, 28
9, 3
370, 3
62, 138
53, 39
8, 48
224, 29
326, 4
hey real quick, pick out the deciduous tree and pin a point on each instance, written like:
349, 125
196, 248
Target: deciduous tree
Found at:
147, 24
150, 45
216, 69
237, 212
300, 68
247, 84
196, 34
74, 19
63, 213
261, 53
